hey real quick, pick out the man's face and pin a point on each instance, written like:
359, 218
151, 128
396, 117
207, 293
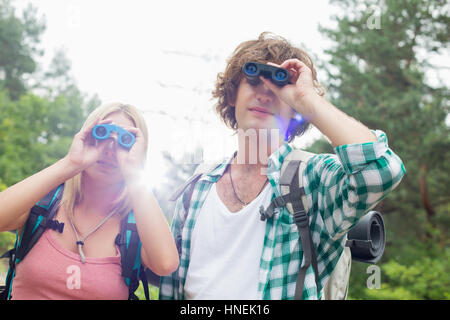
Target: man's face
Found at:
257, 107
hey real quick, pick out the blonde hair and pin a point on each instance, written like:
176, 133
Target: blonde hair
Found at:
72, 194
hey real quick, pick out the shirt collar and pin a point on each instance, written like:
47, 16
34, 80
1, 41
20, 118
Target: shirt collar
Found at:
276, 158
217, 172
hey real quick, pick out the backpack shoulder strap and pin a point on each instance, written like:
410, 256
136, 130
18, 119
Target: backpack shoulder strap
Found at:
201, 169
293, 198
40, 218
299, 212
294, 163
130, 245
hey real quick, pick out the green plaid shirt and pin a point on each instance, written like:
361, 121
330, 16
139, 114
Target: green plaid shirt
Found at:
339, 189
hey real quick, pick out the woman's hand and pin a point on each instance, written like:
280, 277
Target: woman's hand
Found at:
85, 150
301, 85
131, 161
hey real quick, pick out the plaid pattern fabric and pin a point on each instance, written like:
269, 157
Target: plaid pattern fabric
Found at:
339, 189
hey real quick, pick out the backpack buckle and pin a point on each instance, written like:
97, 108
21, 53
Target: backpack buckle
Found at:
279, 202
55, 225
301, 218
12, 260
266, 214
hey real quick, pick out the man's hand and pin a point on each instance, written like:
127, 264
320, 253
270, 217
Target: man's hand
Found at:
301, 85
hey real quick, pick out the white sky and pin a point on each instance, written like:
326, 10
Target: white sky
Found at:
164, 56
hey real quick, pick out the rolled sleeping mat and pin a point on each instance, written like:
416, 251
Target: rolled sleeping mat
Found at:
367, 238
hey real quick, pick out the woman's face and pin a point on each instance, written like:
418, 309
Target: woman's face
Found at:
106, 169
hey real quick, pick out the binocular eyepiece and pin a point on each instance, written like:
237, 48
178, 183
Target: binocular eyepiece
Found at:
103, 131
252, 71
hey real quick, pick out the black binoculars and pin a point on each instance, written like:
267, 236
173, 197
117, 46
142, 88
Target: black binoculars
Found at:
252, 71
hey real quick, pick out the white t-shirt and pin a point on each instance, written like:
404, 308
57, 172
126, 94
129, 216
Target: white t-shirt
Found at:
226, 250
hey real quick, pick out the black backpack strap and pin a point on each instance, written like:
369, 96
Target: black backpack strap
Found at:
40, 218
130, 245
192, 180
277, 202
301, 220
188, 196
5, 290
187, 189
143, 278
290, 178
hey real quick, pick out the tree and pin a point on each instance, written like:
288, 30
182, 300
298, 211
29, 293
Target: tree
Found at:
19, 47
37, 121
40, 113
378, 71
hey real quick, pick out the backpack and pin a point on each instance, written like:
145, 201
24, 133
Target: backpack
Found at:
366, 241
41, 218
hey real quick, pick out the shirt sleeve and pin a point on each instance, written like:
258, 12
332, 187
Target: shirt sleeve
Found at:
168, 289
346, 185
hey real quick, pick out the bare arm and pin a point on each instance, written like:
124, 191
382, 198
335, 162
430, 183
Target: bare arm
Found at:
340, 128
159, 251
17, 200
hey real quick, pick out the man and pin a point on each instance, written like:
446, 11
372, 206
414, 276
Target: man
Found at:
226, 250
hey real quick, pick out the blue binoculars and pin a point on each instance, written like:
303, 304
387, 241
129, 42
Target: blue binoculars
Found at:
252, 71
103, 131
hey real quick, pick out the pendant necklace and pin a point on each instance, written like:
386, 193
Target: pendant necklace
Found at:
80, 243
235, 193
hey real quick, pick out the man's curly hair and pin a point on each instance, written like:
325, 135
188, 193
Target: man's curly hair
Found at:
267, 48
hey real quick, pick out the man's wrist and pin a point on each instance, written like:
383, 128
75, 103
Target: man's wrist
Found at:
307, 104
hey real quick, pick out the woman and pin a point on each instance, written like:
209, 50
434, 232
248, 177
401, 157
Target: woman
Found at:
102, 185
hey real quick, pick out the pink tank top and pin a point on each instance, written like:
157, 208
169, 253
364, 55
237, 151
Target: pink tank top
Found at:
51, 272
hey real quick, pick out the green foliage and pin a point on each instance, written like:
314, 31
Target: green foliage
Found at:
34, 133
36, 127
379, 74
426, 278
153, 291
320, 146
35, 130
7, 240
19, 40
423, 277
